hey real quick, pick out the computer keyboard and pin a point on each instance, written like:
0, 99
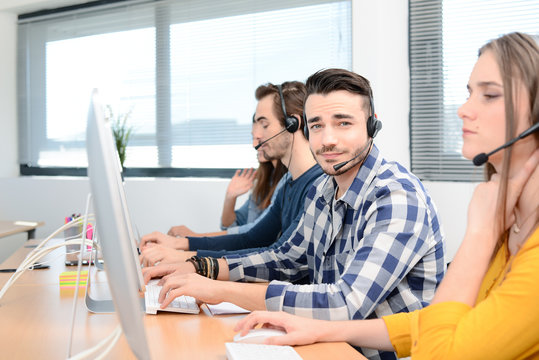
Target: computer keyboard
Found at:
182, 304
242, 351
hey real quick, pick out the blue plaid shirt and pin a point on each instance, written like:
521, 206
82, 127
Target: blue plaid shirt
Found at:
376, 251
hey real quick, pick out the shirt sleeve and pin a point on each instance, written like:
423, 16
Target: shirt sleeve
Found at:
393, 241
245, 228
241, 214
264, 233
284, 260
275, 245
502, 326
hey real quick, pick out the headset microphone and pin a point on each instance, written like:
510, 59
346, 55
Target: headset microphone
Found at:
482, 158
265, 141
340, 165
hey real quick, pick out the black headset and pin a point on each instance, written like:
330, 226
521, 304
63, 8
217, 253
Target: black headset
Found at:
291, 123
373, 124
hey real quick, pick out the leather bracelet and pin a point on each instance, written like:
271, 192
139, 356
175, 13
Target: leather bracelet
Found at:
207, 265
195, 260
215, 268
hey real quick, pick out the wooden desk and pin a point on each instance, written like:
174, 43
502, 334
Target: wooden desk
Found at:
35, 316
14, 227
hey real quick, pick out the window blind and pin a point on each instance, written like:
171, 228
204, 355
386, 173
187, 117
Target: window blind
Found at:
185, 71
444, 39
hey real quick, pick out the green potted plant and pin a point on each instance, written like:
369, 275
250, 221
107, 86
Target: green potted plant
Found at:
121, 131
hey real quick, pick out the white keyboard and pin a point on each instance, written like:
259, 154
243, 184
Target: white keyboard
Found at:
182, 304
242, 351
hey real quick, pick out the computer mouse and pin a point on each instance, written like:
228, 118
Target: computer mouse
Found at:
257, 336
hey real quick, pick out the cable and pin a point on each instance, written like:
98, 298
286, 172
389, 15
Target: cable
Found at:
79, 267
66, 226
29, 261
70, 224
104, 347
106, 344
114, 340
40, 251
286, 182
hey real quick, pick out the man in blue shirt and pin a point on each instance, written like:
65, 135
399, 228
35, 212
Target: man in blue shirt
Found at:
279, 135
369, 240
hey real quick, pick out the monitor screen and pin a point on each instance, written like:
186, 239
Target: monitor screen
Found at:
114, 227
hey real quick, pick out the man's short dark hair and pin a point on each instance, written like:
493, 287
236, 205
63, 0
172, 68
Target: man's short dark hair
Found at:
330, 80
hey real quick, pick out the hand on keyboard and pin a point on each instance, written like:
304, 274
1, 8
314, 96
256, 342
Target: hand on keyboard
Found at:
182, 304
206, 290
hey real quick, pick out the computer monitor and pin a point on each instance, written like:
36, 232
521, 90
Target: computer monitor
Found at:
114, 227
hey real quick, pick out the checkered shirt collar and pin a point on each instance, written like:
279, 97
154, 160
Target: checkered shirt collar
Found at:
355, 193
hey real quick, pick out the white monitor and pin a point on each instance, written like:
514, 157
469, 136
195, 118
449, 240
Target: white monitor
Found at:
115, 231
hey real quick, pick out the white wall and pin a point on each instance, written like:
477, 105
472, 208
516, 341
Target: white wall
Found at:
380, 53
155, 203
380, 40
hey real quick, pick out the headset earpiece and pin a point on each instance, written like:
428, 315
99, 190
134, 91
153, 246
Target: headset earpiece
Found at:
373, 124
291, 123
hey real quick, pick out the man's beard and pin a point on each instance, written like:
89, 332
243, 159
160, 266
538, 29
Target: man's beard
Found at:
331, 171
279, 150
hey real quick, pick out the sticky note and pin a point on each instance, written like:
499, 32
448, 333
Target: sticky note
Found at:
68, 279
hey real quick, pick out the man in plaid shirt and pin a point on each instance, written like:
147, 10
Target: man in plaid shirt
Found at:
369, 240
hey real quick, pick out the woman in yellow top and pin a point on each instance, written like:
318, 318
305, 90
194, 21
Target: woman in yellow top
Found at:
487, 306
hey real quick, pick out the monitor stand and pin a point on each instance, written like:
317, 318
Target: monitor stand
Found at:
102, 303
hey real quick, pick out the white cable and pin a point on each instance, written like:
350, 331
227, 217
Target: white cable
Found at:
113, 342
106, 344
79, 267
52, 260
29, 261
33, 257
73, 222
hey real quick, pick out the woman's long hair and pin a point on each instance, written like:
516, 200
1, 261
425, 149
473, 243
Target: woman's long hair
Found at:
517, 56
266, 179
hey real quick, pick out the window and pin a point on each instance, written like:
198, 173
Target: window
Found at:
444, 39
186, 71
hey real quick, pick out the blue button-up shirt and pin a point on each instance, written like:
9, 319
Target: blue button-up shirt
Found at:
376, 251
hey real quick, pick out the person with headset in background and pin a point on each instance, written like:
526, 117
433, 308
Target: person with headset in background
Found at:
265, 182
369, 239
486, 306
278, 134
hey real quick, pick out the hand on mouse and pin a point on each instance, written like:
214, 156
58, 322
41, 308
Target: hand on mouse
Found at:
299, 330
